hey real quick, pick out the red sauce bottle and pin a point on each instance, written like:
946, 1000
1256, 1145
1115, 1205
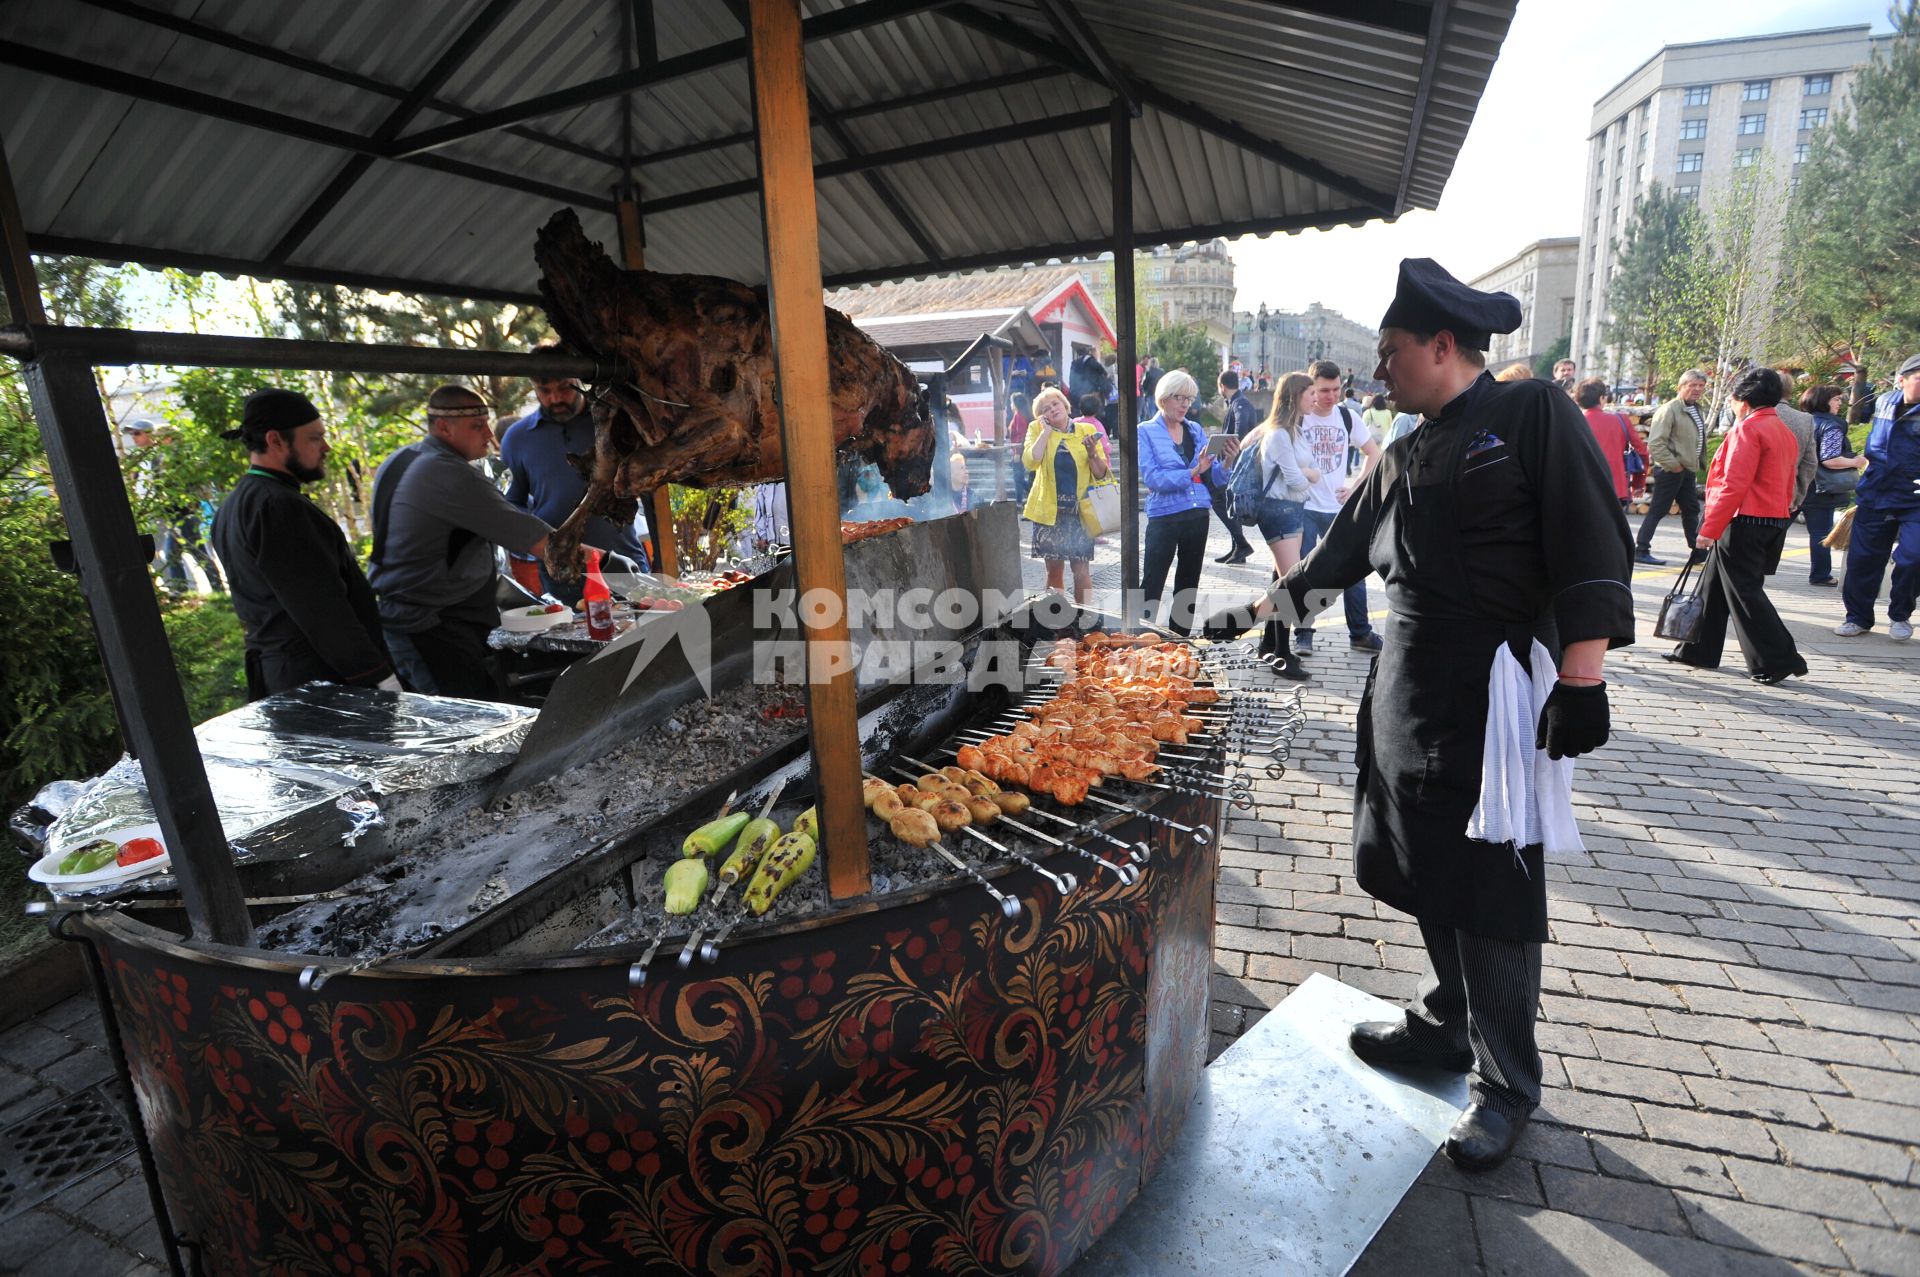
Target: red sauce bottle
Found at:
598, 599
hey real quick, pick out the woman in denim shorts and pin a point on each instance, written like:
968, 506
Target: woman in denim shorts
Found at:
1286, 467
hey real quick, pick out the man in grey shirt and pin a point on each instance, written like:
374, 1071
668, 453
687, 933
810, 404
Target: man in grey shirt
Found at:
436, 520
1801, 424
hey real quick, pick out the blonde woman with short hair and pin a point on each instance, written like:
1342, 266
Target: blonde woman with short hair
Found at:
1065, 457
1179, 473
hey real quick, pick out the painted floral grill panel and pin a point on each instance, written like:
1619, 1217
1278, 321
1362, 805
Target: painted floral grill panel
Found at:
927, 1089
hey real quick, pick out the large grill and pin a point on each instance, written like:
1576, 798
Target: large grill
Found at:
975, 1067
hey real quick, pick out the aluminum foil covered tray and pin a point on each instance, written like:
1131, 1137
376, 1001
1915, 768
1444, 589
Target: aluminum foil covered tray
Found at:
297, 772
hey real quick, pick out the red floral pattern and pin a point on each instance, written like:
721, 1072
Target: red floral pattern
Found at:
931, 1089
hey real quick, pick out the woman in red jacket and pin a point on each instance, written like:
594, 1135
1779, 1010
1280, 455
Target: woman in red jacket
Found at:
1749, 507
1614, 433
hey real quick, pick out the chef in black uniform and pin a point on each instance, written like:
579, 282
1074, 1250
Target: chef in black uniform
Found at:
1494, 522
306, 608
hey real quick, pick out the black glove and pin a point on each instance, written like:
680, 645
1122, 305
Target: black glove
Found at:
619, 564
1295, 603
1229, 622
1574, 720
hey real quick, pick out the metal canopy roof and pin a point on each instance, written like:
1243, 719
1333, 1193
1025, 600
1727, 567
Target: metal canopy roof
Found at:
418, 146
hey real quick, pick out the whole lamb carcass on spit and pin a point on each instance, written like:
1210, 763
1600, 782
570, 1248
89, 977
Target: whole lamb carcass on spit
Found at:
699, 408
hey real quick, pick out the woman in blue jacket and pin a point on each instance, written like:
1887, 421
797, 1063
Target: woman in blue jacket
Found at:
1178, 470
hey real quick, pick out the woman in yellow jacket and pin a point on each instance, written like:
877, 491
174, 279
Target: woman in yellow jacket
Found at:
1065, 458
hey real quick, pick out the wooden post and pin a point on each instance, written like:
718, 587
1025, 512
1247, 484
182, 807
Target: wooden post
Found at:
21, 284
1121, 142
633, 254
790, 217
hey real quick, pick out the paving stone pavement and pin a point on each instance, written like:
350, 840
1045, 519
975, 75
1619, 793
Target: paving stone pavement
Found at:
103, 1224
1731, 1005
1731, 1008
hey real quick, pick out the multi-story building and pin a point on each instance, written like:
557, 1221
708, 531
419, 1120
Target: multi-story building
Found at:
1540, 276
1687, 118
1294, 339
1185, 284
1269, 341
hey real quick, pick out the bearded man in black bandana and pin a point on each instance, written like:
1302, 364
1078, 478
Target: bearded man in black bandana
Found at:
1495, 527
306, 607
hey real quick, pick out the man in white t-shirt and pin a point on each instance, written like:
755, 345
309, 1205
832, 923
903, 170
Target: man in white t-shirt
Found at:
1329, 428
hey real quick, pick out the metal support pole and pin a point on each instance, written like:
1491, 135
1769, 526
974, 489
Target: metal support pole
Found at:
777, 74
997, 378
140, 669
119, 347
633, 255
1121, 144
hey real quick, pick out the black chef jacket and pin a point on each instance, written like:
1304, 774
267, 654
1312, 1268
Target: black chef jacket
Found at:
1494, 522
303, 601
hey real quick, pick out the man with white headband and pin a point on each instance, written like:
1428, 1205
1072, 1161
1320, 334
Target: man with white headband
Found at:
436, 519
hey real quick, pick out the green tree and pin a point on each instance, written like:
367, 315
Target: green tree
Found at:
1854, 278
56, 718
1543, 366
1640, 299
1183, 346
330, 313
371, 416
1721, 301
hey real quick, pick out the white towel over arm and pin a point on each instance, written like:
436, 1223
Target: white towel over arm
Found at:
1525, 797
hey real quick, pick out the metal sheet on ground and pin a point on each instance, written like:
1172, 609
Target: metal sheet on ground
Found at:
1293, 1155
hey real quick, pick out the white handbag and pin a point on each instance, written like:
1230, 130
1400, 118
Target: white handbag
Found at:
1100, 509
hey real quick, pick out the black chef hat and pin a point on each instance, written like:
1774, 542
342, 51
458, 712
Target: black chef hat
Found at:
1429, 299
271, 409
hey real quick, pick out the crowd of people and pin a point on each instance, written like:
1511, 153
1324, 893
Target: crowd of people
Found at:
418, 618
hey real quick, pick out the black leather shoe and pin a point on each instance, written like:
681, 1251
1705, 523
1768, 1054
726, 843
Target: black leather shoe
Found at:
1484, 1137
1290, 668
1781, 676
1236, 556
1646, 557
1387, 1043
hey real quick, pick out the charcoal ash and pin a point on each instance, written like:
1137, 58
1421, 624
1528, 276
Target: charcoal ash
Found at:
895, 867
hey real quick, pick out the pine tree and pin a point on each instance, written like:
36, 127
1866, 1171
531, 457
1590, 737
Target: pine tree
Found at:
1664, 228
1855, 264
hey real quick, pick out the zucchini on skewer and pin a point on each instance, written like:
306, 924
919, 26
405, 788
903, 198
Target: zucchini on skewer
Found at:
789, 857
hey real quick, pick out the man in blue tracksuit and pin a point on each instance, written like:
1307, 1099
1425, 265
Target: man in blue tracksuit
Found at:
1887, 522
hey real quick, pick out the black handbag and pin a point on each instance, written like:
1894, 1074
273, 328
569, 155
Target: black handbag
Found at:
1835, 483
1681, 610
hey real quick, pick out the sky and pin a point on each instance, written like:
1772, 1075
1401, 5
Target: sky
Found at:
1558, 59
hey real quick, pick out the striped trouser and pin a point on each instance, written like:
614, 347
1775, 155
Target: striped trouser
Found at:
1485, 994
